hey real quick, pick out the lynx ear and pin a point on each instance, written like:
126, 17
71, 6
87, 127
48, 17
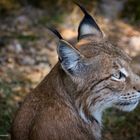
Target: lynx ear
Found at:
70, 58
88, 25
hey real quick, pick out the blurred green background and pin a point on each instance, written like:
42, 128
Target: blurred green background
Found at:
28, 51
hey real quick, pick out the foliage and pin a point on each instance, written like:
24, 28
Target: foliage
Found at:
132, 11
7, 6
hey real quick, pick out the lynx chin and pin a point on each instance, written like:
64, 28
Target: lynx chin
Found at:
89, 77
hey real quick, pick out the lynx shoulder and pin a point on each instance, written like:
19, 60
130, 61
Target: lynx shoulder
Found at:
90, 77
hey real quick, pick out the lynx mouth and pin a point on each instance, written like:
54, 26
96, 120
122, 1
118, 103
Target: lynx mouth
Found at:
126, 103
127, 106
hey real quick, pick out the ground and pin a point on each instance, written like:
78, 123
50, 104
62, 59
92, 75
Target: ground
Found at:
28, 52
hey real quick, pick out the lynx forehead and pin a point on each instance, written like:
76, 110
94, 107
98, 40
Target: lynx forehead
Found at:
91, 76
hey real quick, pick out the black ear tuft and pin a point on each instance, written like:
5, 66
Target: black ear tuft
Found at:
55, 32
88, 25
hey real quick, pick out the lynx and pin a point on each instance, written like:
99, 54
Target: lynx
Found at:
90, 77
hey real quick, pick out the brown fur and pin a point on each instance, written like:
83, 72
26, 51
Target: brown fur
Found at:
65, 106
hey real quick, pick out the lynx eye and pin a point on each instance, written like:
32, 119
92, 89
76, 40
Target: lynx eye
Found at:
119, 76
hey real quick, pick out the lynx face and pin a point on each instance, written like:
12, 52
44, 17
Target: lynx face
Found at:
111, 82
129, 94
100, 70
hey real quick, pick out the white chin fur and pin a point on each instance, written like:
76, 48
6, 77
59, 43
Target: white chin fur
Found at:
127, 108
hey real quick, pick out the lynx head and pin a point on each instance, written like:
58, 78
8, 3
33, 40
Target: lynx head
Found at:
100, 70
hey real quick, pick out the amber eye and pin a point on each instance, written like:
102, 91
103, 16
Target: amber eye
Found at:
118, 76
